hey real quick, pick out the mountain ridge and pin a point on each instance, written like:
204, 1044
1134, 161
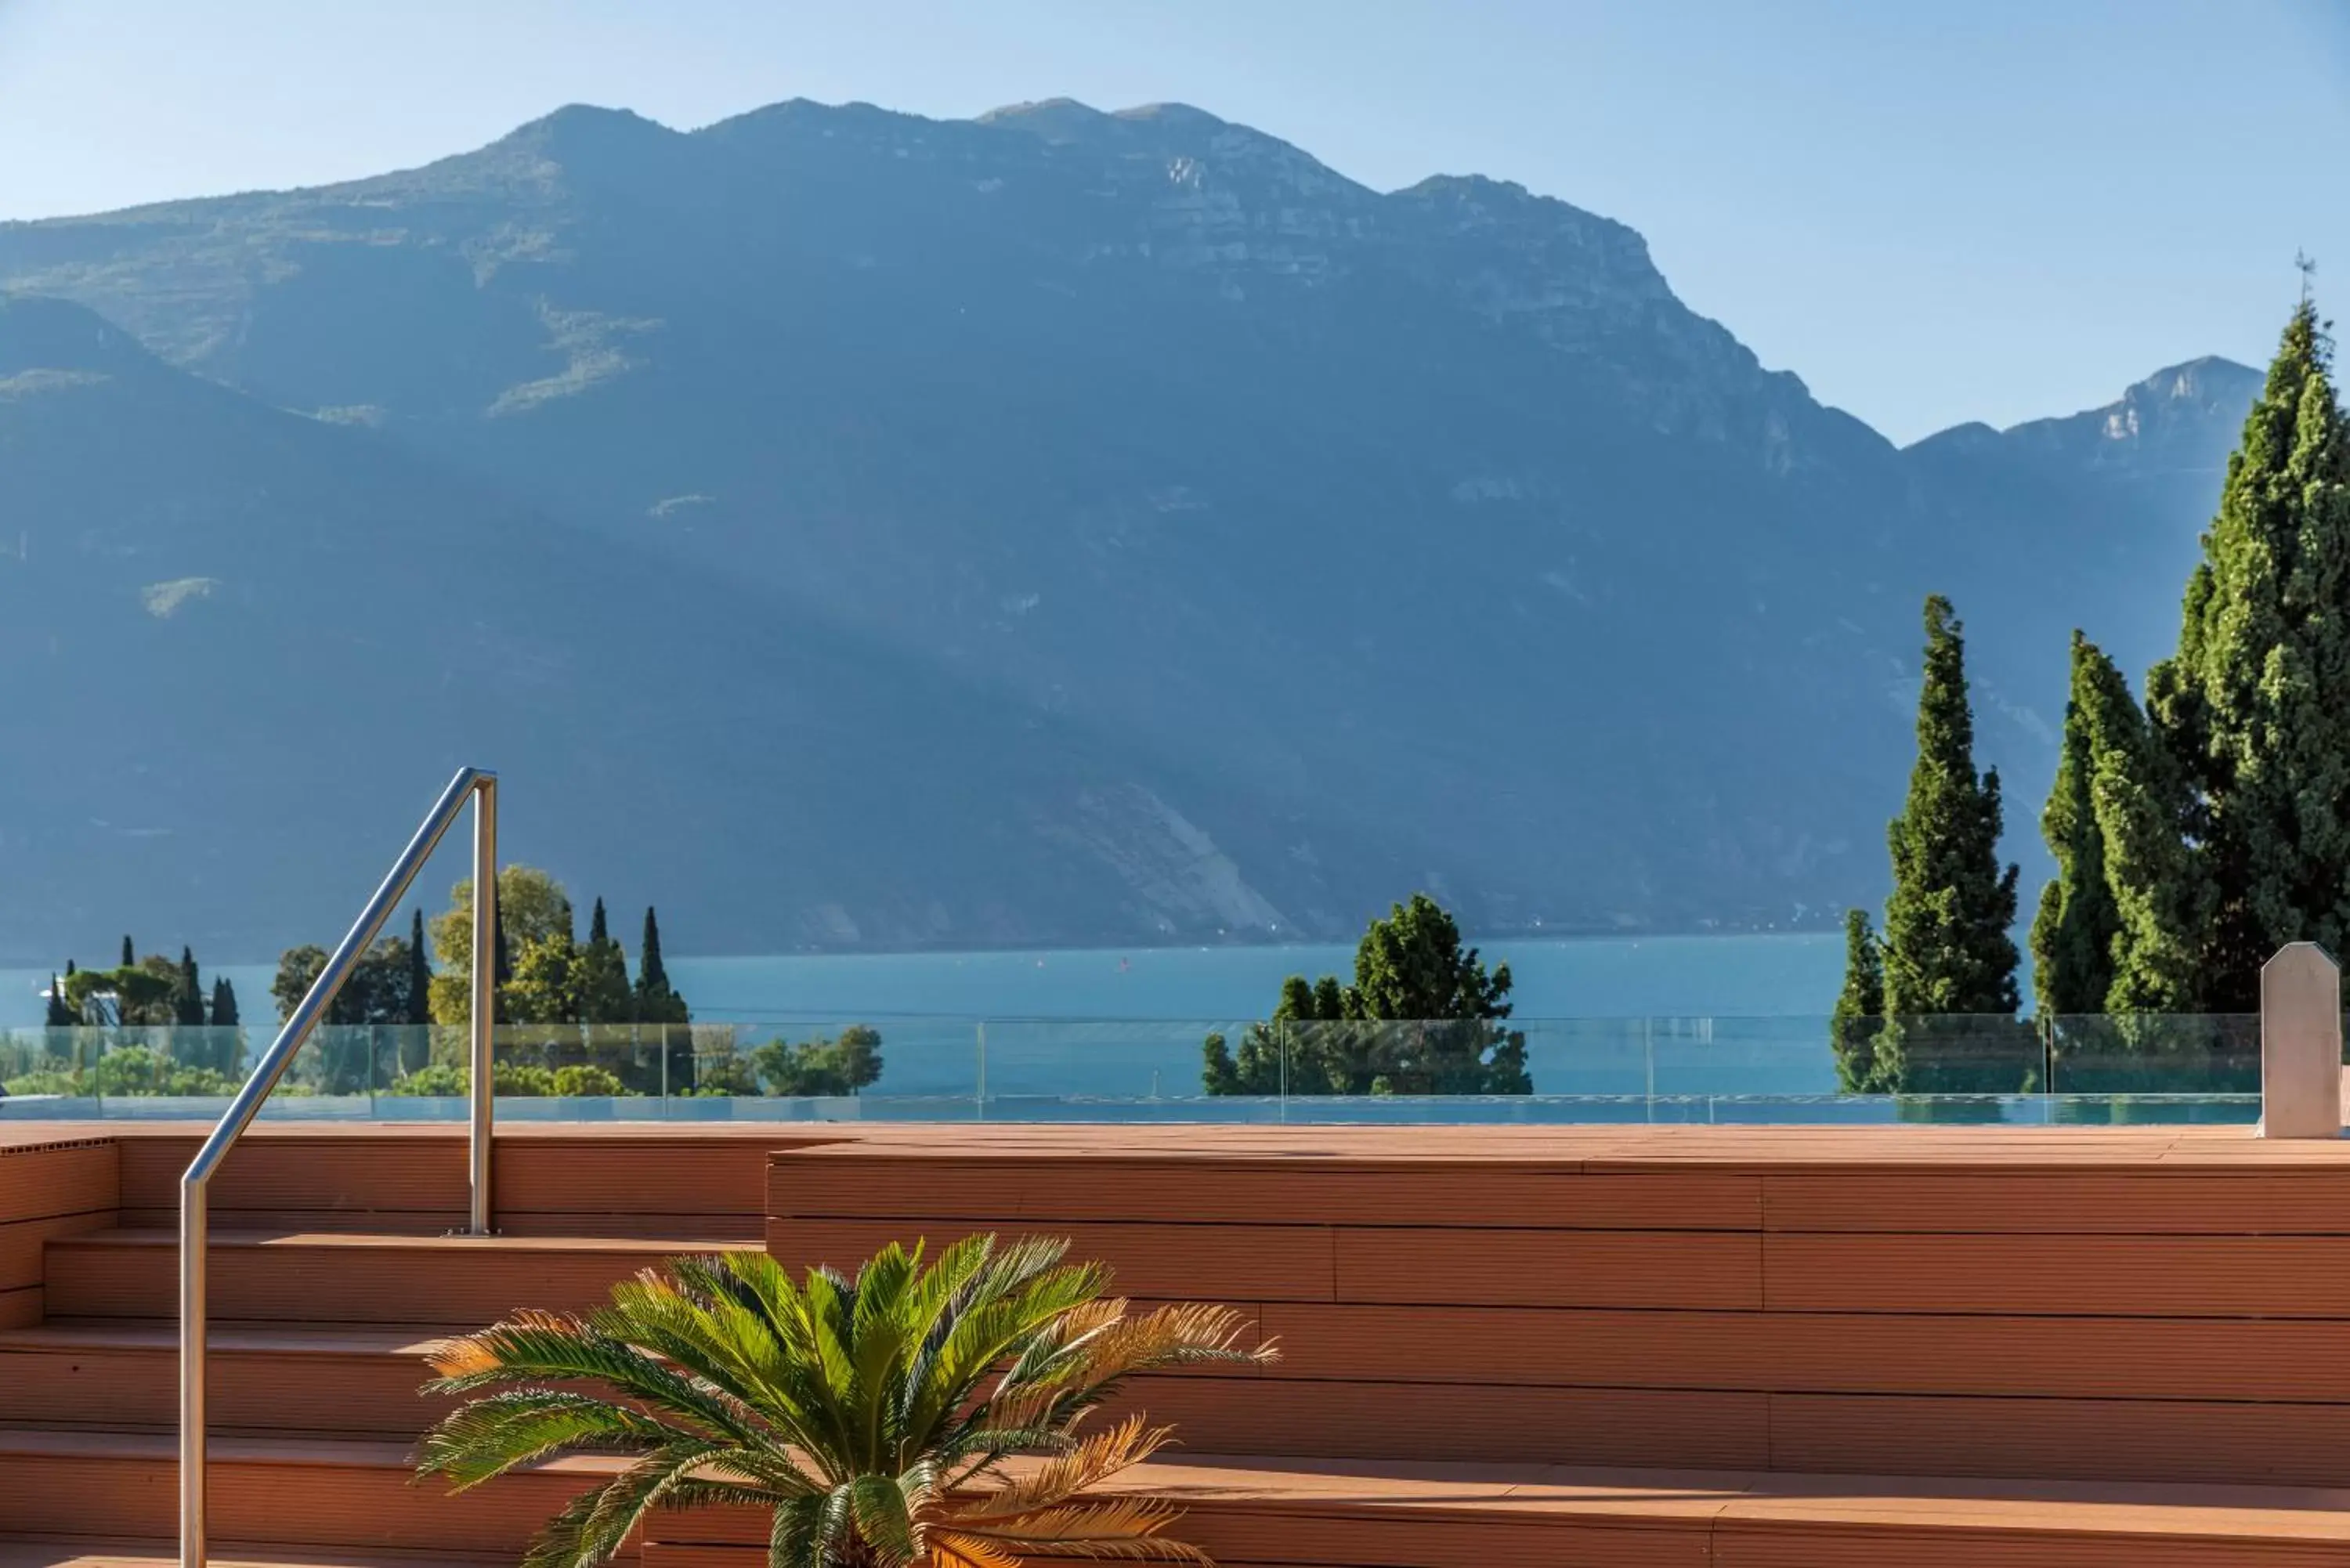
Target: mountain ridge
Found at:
1370, 539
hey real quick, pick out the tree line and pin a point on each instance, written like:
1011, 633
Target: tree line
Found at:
2197, 824
141, 993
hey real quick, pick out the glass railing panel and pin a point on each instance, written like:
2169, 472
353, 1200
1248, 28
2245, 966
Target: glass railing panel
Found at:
2155, 1068
828, 1069
1130, 1070
1942, 1069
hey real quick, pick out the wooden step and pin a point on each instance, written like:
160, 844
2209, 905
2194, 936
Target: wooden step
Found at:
346, 1494
265, 1378
639, 1181
330, 1278
1335, 1514
66, 1552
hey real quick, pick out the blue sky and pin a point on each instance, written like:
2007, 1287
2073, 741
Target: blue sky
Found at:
1931, 211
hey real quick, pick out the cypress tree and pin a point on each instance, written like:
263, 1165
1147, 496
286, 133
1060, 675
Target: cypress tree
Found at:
188, 996
653, 975
223, 1005
1946, 948
129, 958
2249, 710
419, 972
58, 1016
2073, 935
1859, 1014
604, 994
2162, 902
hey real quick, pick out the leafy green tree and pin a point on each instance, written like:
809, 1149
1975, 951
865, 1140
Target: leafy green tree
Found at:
1858, 1018
136, 995
546, 984
188, 996
839, 1066
375, 992
531, 907
870, 1419
2073, 935
2251, 707
224, 1015
1424, 1017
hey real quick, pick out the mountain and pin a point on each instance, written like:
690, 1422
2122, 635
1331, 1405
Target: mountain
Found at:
1055, 526
250, 646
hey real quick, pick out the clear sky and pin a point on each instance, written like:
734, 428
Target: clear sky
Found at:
1931, 210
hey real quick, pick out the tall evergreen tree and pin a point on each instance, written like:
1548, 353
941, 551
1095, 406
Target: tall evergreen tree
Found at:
419, 971
2251, 709
1946, 948
2161, 898
129, 957
605, 995
2073, 935
188, 997
223, 1004
657, 1000
1859, 1015
58, 1015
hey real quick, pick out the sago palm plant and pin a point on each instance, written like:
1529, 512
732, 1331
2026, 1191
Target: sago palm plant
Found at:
912, 1415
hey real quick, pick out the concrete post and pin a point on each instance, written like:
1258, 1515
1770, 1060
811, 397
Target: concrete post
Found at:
2301, 1043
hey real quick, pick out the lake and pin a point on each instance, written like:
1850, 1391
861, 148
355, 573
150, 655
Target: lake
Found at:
1589, 976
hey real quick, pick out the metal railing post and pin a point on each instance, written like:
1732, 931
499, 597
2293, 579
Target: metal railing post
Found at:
194, 1230
483, 1081
470, 783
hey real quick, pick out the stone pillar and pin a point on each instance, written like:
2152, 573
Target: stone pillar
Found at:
2301, 1043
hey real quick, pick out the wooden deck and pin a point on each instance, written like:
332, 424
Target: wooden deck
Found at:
1767, 1347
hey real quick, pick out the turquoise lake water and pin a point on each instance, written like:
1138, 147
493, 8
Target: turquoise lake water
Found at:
1593, 977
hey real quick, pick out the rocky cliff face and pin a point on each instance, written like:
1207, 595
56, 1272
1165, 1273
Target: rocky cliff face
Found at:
1227, 546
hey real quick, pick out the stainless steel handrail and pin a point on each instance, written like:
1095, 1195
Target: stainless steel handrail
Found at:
481, 787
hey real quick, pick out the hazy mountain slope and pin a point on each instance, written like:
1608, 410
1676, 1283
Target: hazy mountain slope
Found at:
245, 647
2089, 520
1427, 521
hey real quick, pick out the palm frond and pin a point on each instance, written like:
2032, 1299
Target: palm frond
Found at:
500, 1432
949, 1549
539, 1348
1114, 1527
1064, 1475
884, 1522
1183, 1333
